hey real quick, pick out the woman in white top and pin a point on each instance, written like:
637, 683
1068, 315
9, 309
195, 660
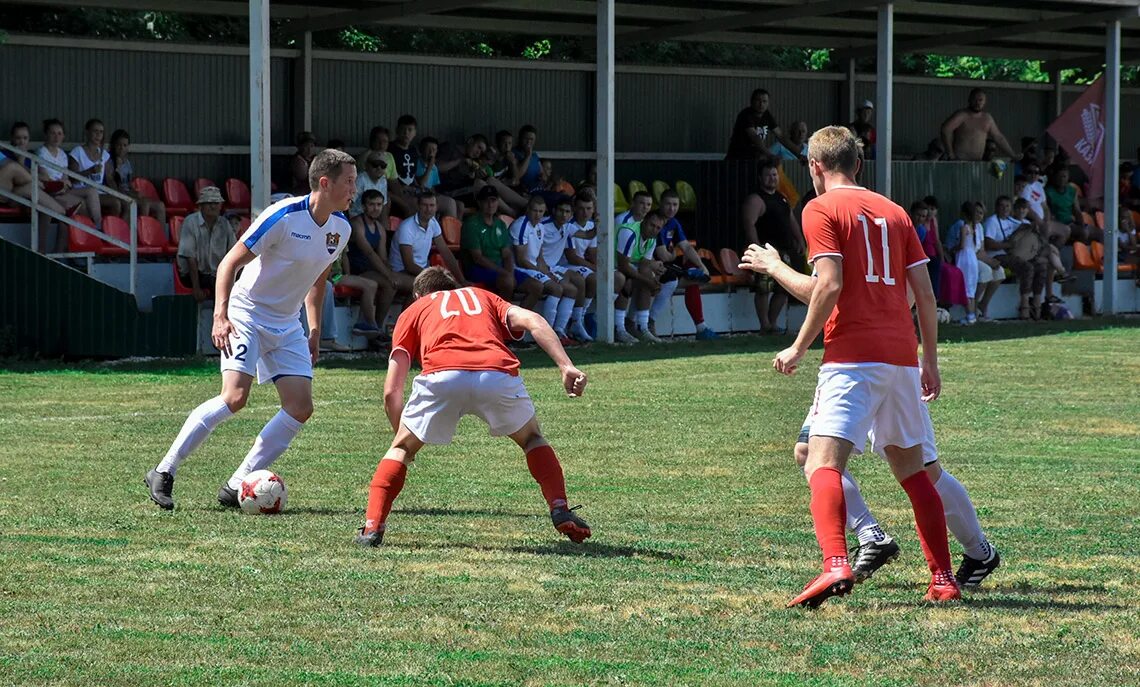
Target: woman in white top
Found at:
58, 184
15, 176
90, 160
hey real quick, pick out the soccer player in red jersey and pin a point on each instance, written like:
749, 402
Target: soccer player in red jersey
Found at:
460, 337
865, 252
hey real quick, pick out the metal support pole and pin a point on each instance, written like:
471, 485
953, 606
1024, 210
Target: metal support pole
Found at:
884, 98
1111, 162
307, 82
851, 90
259, 126
134, 259
604, 101
1058, 93
35, 237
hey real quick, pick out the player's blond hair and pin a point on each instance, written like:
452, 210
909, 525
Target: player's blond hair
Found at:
836, 149
431, 280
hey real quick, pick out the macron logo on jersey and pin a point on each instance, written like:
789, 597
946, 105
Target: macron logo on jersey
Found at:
295, 235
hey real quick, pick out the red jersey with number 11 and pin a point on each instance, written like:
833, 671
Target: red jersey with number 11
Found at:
871, 322
463, 329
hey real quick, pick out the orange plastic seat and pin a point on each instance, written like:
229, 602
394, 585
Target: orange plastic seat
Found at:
1082, 257
452, 230
730, 263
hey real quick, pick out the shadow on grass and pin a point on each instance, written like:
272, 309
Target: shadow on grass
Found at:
564, 548
463, 512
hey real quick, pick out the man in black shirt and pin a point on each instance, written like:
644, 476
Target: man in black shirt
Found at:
754, 129
767, 218
406, 155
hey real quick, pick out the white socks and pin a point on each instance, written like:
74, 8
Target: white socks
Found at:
275, 437
565, 310
641, 319
198, 425
550, 309
586, 304
619, 320
859, 518
663, 297
961, 518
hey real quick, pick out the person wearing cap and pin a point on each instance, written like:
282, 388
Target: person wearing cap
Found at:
488, 260
373, 178
864, 127
205, 238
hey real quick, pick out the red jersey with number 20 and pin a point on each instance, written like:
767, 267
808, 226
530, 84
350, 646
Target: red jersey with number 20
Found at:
463, 329
874, 237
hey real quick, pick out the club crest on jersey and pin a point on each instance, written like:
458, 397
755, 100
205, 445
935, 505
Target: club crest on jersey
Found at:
332, 240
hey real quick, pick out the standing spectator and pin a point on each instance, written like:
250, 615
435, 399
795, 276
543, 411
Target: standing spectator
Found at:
488, 258
964, 133
372, 178
766, 217
59, 184
689, 269
999, 230
920, 216
797, 136
299, 164
205, 239
368, 262
122, 172
527, 163
753, 128
413, 242
864, 128
969, 243
90, 160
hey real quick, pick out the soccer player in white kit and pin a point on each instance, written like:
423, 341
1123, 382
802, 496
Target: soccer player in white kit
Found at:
286, 254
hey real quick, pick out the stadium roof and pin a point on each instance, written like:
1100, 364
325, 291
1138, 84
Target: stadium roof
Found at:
1063, 32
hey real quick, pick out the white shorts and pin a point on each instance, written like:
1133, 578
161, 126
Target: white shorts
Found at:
875, 401
580, 269
441, 398
268, 352
540, 277
987, 274
558, 271
929, 450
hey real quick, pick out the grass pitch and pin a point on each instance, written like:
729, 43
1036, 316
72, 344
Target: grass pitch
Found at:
681, 454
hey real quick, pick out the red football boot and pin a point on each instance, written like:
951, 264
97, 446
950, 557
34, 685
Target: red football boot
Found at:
835, 582
943, 587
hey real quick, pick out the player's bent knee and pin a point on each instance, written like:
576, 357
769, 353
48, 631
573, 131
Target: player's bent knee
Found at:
300, 410
801, 454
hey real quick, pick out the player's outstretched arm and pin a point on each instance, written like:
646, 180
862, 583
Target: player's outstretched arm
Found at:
829, 283
918, 281
573, 379
767, 261
398, 366
237, 257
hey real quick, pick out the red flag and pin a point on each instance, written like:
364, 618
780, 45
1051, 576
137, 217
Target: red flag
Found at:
1080, 131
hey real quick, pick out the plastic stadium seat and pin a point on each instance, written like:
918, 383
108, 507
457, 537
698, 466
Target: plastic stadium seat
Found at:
179, 289
436, 260
729, 262
635, 186
115, 227
152, 238
243, 224
716, 271
238, 197
342, 291
1135, 218
1088, 219
1099, 217
13, 212
659, 187
1098, 259
201, 183
507, 220
688, 195
452, 230
565, 188
620, 202
145, 188
177, 197
1082, 257
79, 241
175, 231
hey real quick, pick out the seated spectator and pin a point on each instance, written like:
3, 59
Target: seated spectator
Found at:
581, 252
122, 172
755, 131
527, 163
502, 159
1061, 197
934, 152
635, 253
487, 256
90, 160
639, 207
16, 176
1128, 249
1031, 187
687, 270
205, 238
590, 183
766, 217
407, 157
413, 242
1047, 252
373, 178
59, 185
864, 127
964, 133
299, 164
563, 290
378, 140
999, 239
366, 326
797, 136
368, 261
464, 170
427, 178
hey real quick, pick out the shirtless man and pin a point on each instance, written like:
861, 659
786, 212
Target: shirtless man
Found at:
964, 134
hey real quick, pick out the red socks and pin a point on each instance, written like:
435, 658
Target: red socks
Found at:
829, 512
385, 487
929, 520
544, 467
693, 303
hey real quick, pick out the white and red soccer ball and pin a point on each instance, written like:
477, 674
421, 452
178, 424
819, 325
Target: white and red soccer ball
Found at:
262, 491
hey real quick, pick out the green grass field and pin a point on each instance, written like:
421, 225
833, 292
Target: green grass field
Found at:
681, 455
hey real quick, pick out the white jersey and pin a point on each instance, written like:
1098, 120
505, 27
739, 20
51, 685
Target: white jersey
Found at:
523, 233
555, 241
292, 251
580, 246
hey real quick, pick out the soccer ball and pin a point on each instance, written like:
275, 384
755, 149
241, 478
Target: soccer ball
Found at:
262, 491
943, 316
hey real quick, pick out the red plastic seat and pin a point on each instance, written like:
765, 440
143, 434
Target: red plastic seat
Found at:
152, 238
79, 241
238, 197
179, 289
177, 197
175, 231
730, 263
145, 188
452, 230
243, 224
16, 212
342, 291
201, 183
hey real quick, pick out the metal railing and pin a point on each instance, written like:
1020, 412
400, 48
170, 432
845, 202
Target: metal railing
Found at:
33, 204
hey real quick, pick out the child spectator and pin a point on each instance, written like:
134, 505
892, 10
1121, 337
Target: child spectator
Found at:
920, 216
122, 172
968, 244
527, 163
